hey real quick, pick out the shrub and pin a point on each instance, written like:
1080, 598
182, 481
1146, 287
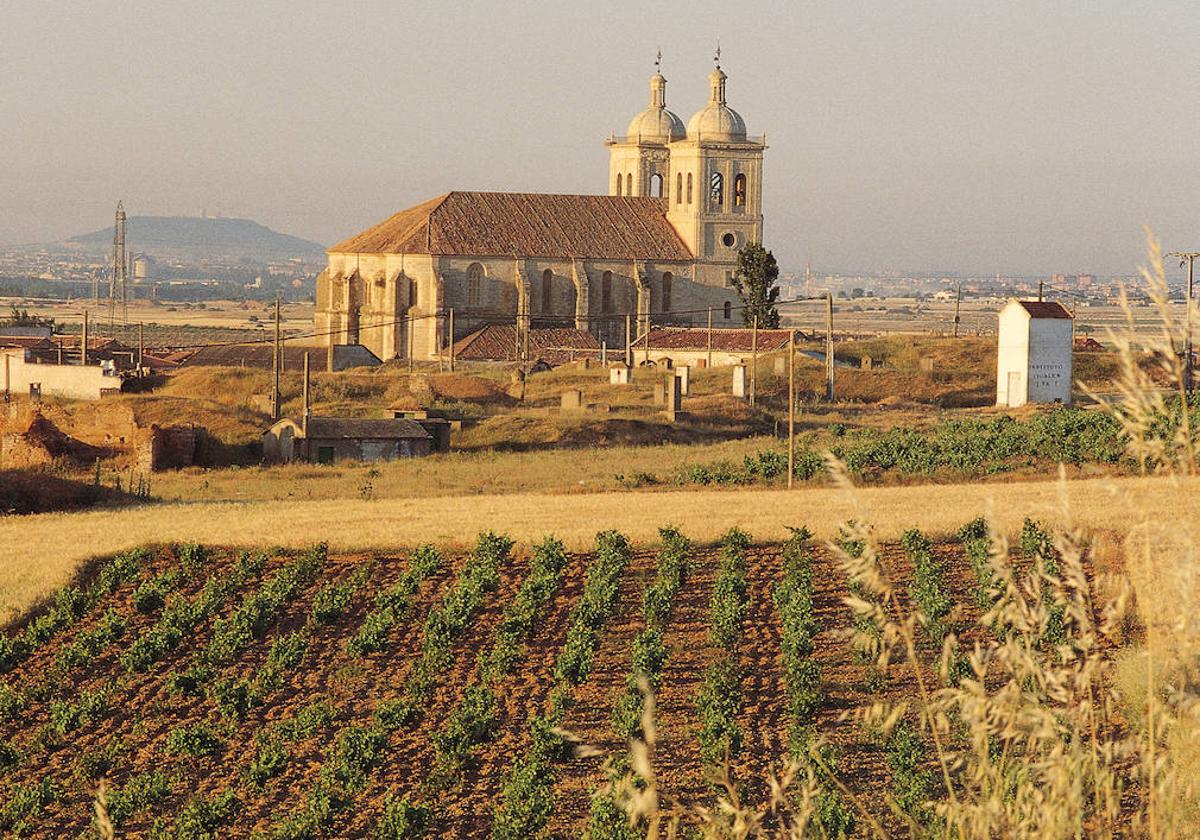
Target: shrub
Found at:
285, 653
717, 706
473, 719
202, 817
978, 546
12, 702
1037, 545
526, 800
403, 819
453, 616
88, 644
138, 794
25, 801
574, 661
355, 751
331, 602
98, 762
258, 610
606, 821
801, 673
89, 706
196, 740
191, 682
728, 604
270, 756
233, 698
9, 755
912, 785
928, 589
152, 594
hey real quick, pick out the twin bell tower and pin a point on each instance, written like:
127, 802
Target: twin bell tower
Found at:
709, 173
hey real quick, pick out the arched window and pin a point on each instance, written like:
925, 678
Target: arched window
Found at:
606, 292
716, 189
620, 180
739, 190
689, 188
474, 283
679, 188
547, 291
667, 279
656, 185
629, 184
413, 293
728, 310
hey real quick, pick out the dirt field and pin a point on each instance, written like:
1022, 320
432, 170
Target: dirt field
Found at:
132, 735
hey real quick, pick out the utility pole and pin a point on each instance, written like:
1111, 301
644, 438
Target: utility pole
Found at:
709, 337
83, 343
628, 341
957, 304
829, 345
304, 410
1041, 290
646, 342
408, 325
276, 408
791, 406
141, 345
452, 341
753, 360
1188, 258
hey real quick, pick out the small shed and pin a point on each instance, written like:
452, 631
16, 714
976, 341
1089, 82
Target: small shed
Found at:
324, 440
1034, 354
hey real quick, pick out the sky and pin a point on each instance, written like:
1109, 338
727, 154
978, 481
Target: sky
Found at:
962, 136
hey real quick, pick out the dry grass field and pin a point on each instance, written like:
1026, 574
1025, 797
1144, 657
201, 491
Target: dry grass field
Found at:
64, 541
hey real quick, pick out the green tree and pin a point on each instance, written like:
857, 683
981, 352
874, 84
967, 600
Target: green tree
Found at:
754, 280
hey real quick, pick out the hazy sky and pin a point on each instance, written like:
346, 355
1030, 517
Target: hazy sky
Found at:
1016, 137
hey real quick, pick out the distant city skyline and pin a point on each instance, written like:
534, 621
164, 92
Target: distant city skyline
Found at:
966, 138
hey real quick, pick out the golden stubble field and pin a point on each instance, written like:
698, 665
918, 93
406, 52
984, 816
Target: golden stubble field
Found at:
40, 553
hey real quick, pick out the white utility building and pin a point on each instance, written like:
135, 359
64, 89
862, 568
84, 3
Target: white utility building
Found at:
1033, 359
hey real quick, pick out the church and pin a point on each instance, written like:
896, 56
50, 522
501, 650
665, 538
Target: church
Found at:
661, 247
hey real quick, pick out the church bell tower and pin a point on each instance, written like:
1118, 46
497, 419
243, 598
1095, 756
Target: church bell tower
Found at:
716, 205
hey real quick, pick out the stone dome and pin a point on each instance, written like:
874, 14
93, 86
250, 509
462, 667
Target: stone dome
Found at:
657, 122
716, 120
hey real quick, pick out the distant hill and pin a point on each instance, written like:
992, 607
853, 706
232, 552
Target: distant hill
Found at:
162, 235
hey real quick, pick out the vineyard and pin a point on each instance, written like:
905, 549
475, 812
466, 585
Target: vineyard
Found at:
297, 694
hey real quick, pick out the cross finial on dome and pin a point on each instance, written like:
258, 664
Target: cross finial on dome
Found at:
717, 57
658, 61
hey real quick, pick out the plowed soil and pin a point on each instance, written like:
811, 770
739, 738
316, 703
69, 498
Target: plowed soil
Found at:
142, 712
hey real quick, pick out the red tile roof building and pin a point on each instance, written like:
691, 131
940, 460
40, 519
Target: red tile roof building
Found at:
660, 248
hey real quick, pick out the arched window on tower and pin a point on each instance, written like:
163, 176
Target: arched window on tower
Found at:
728, 310
474, 283
689, 188
606, 292
547, 292
629, 184
679, 188
739, 190
716, 190
656, 185
620, 182
667, 279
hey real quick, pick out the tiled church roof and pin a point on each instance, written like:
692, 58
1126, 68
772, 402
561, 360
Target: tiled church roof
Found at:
527, 225
724, 339
498, 342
